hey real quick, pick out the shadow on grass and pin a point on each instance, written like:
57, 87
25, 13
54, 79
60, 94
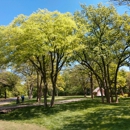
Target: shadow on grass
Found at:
36, 111
104, 117
101, 119
82, 115
89, 123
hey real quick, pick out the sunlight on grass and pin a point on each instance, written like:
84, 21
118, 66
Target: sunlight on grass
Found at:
8, 125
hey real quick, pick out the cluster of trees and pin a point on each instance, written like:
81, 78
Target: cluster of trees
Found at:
10, 84
39, 46
78, 80
74, 80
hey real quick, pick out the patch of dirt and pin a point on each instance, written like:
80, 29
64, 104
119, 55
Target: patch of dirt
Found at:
8, 125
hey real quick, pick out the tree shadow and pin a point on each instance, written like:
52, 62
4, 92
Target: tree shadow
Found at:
36, 111
102, 119
95, 116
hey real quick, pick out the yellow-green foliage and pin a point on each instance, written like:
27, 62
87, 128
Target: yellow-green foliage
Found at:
123, 96
39, 34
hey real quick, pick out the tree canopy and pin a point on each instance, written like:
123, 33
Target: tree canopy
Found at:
105, 42
97, 37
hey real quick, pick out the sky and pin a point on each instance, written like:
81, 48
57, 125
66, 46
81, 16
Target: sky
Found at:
9, 9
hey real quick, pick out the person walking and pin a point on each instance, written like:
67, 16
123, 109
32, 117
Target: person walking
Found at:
17, 100
22, 97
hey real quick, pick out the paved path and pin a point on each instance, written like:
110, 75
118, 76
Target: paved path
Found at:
7, 101
5, 109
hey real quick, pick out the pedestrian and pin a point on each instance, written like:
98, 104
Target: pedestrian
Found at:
22, 97
17, 100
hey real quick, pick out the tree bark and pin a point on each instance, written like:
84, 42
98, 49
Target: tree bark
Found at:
53, 95
30, 95
5, 94
45, 95
38, 87
91, 85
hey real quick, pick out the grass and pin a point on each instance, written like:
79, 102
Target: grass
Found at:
83, 115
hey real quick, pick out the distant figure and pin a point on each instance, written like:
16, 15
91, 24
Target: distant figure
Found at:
22, 97
17, 100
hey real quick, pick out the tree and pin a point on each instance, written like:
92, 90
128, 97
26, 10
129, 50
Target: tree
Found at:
104, 43
61, 43
60, 86
78, 81
8, 81
44, 39
26, 43
30, 77
121, 2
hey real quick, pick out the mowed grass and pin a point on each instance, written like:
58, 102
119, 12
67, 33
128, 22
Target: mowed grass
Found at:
83, 115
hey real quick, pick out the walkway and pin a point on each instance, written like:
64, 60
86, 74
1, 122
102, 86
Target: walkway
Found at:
6, 109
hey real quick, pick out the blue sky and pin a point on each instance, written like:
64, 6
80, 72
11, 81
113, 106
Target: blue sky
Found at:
12, 8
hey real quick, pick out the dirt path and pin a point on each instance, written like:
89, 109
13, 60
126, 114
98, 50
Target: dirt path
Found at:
6, 109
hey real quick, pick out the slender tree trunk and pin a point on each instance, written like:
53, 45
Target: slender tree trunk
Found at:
107, 95
0, 92
44, 77
53, 95
38, 87
5, 94
111, 95
91, 85
101, 90
57, 92
100, 83
40, 90
122, 92
85, 91
30, 91
45, 95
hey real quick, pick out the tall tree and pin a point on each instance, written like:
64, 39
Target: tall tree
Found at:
61, 42
26, 43
105, 42
44, 39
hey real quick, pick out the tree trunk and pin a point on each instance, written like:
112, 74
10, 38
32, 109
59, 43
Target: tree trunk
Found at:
45, 90
53, 95
40, 90
91, 85
107, 95
30, 91
0, 92
102, 97
85, 91
111, 96
5, 94
38, 87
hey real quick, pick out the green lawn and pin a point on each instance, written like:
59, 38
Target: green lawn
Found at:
84, 115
